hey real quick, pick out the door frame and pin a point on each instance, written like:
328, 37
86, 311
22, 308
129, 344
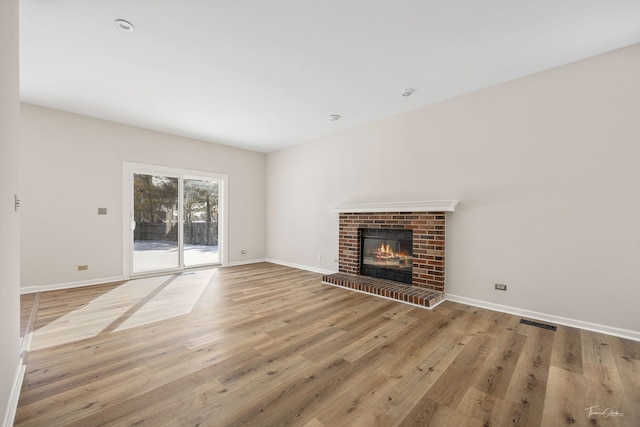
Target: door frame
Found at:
128, 170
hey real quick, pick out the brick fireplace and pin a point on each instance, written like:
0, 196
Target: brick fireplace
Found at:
428, 242
426, 220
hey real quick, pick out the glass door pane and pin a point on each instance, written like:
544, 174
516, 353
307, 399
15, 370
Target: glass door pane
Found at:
200, 222
156, 216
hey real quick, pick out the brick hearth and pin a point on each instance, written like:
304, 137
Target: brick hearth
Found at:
386, 288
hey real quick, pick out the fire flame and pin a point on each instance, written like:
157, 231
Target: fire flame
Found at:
385, 251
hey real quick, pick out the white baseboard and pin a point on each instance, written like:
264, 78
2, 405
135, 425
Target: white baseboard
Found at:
28, 290
70, 285
249, 261
580, 324
299, 266
12, 405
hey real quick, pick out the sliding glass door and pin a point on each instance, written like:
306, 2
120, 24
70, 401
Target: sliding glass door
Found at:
174, 219
200, 213
155, 213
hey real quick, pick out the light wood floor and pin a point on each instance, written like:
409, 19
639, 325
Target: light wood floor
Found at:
266, 345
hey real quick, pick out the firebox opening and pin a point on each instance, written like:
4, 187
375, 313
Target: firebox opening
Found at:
387, 254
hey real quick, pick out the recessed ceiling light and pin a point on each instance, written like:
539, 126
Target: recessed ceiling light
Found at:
407, 92
124, 25
334, 117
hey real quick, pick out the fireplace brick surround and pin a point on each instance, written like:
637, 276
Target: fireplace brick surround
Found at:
428, 242
427, 222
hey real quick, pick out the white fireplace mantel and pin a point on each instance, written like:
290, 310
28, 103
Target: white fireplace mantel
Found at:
428, 206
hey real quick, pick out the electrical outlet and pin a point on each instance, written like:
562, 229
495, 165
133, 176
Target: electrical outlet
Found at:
83, 267
501, 287
102, 211
243, 252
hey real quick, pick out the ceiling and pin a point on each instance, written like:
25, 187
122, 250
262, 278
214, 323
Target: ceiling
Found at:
264, 75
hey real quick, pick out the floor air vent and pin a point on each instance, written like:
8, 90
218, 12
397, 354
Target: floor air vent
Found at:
539, 325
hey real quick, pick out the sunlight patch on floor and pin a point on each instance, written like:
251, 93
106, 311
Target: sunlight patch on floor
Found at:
134, 303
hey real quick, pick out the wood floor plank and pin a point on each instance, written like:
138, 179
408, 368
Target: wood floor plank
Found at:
349, 402
523, 401
314, 423
407, 370
626, 354
449, 389
276, 407
567, 350
483, 407
431, 413
494, 376
409, 379
268, 345
565, 402
375, 338
599, 366
367, 401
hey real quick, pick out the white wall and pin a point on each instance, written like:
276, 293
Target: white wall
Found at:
9, 221
547, 172
72, 165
